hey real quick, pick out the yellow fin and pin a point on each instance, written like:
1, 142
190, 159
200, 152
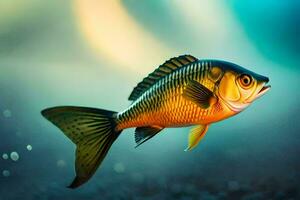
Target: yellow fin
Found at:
196, 134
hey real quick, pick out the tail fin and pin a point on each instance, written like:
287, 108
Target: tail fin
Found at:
93, 132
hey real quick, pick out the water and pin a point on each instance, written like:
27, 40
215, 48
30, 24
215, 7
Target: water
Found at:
51, 54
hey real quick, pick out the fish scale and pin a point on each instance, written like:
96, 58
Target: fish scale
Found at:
163, 103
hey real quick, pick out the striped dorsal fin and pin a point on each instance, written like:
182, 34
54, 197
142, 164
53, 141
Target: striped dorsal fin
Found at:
163, 70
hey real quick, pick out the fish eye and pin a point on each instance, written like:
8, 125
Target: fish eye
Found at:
245, 81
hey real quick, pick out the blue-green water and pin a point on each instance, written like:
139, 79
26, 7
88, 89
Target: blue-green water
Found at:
46, 60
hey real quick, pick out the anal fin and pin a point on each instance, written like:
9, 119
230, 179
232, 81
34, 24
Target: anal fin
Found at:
196, 134
142, 134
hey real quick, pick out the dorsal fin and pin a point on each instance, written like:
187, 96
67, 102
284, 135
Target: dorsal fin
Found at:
163, 70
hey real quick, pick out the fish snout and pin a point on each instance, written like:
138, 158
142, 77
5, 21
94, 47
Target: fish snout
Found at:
266, 80
264, 87
262, 79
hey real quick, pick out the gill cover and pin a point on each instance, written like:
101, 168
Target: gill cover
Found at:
228, 88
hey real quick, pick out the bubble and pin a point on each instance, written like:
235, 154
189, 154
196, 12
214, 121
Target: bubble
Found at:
7, 113
6, 173
119, 168
5, 156
61, 163
29, 147
14, 156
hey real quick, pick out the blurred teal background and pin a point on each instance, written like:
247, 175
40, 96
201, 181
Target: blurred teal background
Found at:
93, 53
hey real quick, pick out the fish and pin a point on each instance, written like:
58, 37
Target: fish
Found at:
183, 91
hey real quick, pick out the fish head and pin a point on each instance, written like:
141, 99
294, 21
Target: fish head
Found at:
239, 87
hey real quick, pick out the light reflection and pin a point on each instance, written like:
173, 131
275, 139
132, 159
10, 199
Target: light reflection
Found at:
114, 34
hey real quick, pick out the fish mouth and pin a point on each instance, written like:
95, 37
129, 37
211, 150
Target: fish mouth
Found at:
263, 90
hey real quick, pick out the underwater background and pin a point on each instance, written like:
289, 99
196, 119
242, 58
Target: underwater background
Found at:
93, 53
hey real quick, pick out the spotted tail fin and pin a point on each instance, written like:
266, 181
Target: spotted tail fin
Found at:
93, 132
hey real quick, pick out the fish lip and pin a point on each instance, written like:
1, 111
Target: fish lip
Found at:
263, 90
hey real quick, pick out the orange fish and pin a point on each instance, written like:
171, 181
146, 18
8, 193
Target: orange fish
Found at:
184, 91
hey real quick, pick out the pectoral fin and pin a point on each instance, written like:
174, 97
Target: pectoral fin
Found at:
196, 134
199, 94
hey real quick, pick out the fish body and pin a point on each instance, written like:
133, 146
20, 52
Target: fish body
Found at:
163, 104
183, 91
